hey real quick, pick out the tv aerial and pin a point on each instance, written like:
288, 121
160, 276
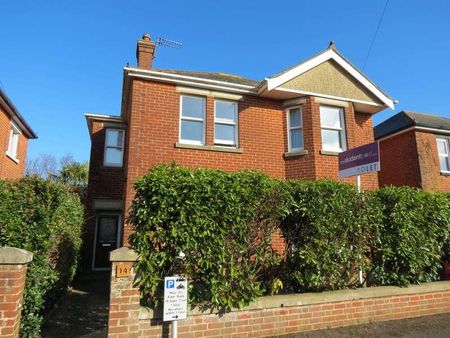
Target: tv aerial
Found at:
160, 41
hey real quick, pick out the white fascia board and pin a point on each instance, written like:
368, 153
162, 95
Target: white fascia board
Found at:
102, 116
273, 83
193, 83
145, 73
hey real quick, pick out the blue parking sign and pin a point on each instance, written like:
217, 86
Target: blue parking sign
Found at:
170, 284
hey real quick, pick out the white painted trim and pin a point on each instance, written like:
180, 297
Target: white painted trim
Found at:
205, 92
114, 165
152, 73
273, 83
446, 156
302, 92
14, 130
342, 130
288, 117
293, 102
434, 130
331, 102
187, 118
119, 230
235, 123
115, 117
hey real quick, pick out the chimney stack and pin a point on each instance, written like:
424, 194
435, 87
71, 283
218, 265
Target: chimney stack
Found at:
145, 52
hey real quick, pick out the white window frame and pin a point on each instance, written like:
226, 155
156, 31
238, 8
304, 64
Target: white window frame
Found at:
447, 156
341, 130
105, 163
197, 119
288, 116
13, 143
227, 122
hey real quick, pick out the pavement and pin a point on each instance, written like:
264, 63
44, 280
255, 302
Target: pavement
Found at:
84, 310
436, 326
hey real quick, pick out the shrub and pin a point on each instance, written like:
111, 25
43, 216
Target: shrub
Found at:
44, 218
223, 223
329, 232
414, 228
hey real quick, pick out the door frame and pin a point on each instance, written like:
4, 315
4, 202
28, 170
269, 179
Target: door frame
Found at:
119, 232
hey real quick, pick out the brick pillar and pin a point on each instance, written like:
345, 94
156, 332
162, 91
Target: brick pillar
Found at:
124, 301
13, 270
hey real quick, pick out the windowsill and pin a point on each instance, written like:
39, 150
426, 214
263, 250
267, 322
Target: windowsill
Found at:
222, 149
13, 158
329, 153
295, 153
445, 173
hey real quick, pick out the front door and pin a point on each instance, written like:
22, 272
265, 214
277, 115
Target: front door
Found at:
106, 240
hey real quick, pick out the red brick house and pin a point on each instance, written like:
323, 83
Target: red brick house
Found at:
414, 151
14, 136
290, 125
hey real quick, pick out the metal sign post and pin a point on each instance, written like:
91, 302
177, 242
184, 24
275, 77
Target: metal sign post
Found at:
175, 298
356, 162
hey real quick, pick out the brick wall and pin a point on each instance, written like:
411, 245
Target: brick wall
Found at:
10, 169
13, 269
431, 177
153, 131
274, 315
399, 161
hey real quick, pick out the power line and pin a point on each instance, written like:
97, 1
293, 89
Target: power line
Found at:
376, 33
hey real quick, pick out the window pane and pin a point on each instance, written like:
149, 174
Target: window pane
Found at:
192, 106
107, 231
444, 163
294, 116
442, 147
296, 139
330, 117
192, 131
226, 110
13, 142
114, 138
331, 140
224, 132
113, 156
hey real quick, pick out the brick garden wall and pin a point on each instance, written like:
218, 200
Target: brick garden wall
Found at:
273, 315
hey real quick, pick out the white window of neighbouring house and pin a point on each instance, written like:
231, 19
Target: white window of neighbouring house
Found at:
13, 144
225, 123
442, 145
114, 148
333, 128
295, 129
192, 119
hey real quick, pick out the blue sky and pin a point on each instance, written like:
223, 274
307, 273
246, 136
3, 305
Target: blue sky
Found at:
61, 59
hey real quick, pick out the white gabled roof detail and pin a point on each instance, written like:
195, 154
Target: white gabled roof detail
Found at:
328, 54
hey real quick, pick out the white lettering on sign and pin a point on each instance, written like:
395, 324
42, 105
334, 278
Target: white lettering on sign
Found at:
175, 298
359, 170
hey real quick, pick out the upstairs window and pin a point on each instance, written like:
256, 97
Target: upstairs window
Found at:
192, 120
333, 129
13, 144
225, 123
114, 148
442, 145
295, 129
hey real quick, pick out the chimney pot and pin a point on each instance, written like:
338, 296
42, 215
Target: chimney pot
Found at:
145, 52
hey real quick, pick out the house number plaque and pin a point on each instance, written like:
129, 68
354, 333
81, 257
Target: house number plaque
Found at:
123, 270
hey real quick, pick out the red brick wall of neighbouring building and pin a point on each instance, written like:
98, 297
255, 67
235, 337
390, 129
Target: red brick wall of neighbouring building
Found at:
431, 177
399, 161
10, 169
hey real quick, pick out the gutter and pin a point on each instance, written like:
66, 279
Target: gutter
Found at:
15, 115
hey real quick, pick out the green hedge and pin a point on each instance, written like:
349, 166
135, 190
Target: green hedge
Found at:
44, 218
223, 223
414, 234
329, 232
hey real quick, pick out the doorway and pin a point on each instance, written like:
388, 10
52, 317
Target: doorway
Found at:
107, 239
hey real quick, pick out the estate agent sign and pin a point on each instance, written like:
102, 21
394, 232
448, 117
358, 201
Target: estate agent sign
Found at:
175, 298
360, 160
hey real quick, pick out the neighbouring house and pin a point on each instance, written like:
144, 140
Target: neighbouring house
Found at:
289, 125
14, 134
414, 151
